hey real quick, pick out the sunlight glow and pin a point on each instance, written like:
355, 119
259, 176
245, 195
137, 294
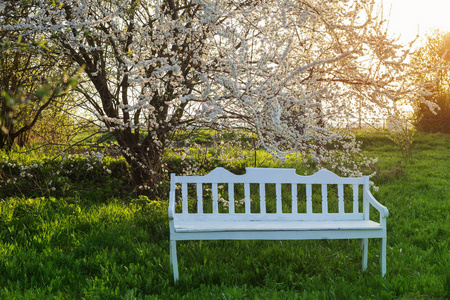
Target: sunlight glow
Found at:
407, 18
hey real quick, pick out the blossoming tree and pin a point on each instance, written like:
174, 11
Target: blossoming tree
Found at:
282, 69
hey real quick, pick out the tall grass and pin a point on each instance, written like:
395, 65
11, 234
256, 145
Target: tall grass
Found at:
73, 247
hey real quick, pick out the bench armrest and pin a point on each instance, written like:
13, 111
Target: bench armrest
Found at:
171, 205
384, 212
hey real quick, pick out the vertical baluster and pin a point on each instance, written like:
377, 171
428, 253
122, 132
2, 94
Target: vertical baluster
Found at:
262, 197
355, 199
309, 199
341, 198
231, 198
324, 199
199, 198
366, 206
294, 198
215, 196
247, 197
184, 193
278, 192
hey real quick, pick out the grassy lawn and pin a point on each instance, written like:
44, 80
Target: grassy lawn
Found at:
72, 248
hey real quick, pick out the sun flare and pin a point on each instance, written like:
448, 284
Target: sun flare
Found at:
408, 18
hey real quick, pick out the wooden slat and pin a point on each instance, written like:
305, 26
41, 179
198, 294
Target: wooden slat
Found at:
355, 198
294, 198
231, 209
366, 197
215, 196
269, 175
184, 193
247, 197
269, 217
324, 199
262, 198
199, 198
309, 199
341, 198
252, 226
279, 204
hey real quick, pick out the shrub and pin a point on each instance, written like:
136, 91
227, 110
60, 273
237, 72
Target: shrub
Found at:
89, 175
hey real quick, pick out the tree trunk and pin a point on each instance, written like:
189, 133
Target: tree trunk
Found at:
145, 159
7, 135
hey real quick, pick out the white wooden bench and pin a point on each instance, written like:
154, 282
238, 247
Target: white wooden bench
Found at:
273, 204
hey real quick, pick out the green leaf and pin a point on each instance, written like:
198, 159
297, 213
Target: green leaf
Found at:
43, 93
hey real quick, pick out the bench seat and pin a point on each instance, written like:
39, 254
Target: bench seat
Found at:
199, 226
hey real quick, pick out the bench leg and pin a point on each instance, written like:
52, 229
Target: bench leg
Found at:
365, 250
383, 256
173, 260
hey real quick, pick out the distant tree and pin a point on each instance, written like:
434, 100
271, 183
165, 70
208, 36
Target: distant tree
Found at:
433, 114
31, 77
282, 69
57, 126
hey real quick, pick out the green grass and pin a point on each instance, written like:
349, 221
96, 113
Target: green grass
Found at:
73, 248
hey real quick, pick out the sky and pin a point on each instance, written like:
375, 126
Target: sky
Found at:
409, 17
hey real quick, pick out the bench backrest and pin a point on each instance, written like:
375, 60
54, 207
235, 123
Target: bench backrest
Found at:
268, 194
